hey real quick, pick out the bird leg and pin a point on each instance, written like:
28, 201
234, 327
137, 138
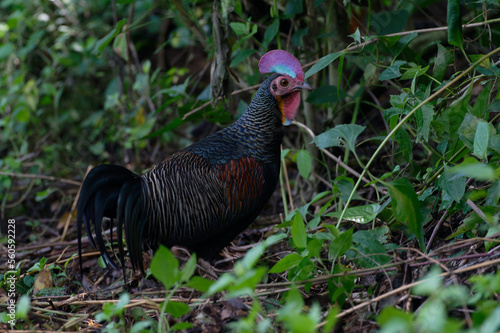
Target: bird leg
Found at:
205, 268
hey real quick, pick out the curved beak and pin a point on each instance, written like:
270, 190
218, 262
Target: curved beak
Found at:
303, 86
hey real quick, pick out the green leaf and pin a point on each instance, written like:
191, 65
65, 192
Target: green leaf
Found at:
239, 28
103, 42
471, 168
467, 130
391, 319
322, 63
368, 242
287, 262
271, 32
165, 267
42, 195
443, 60
492, 322
406, 206
392, 71
431, 282
359, 214
424, 117
356, 36
413, 72
304, 163
400, 45
140, 326
453, 184
340, 136
342, 243
481, 139
189, 268
454, 18
405, 144
199, 283
180, 326
299, 234
240, 56
6, 50
23, 307
326, 94
482, 100
249, 260
177, 309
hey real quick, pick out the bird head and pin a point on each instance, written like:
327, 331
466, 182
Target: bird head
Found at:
287, 85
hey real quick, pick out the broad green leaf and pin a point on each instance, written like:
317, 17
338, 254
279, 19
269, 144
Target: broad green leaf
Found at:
453, 184
405, 144
341, 244
103, 42
287, 262
393, 111
443, 60
414, 72
495, 143
304, 163
240, 56
431, 282
165, 267
492, 322
467, 130
271, 32
6, 50
199, 283
400, 45
239, 28
391, 319
392, 71
431, 317
367, 242
386, 22
326, 94
340, 136
471, 168
454, 18
322, 63
140, 326
424, 117
406, 206
177, 309
250, 259
23, 307
359, 214
292, 8
481, 104
299, 234
224, 281
481, 139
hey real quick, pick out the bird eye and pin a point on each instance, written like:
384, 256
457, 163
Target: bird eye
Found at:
284, 82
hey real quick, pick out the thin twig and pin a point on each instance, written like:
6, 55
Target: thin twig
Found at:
34, 176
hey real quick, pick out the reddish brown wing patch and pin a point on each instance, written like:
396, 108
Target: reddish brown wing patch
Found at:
242, 182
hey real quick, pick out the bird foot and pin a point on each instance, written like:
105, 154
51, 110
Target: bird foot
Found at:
205, 268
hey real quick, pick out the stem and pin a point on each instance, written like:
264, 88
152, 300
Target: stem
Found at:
404, 120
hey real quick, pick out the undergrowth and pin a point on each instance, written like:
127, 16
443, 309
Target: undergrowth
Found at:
387, 215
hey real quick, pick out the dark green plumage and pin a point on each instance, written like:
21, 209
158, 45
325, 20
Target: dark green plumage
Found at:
200, 197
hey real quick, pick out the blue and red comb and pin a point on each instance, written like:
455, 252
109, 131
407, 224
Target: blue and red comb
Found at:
282, 62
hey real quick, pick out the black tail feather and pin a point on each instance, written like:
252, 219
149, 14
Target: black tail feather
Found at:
101, 196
